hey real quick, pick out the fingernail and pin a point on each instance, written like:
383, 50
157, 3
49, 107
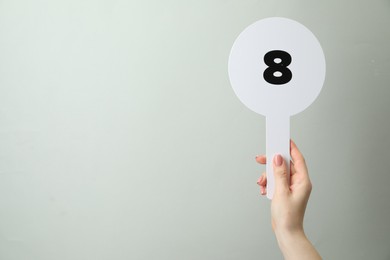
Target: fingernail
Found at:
278, 159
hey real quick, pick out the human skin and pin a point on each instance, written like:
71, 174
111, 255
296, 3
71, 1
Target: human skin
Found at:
289, 203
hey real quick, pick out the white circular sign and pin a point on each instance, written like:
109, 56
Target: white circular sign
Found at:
277, 67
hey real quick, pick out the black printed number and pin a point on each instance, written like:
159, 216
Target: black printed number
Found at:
277, 72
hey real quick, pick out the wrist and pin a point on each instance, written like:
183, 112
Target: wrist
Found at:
286, 238
295, 245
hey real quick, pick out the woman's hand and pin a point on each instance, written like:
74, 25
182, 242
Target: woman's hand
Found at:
289, 204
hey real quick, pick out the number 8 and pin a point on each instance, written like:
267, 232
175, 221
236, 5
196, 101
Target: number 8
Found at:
269, 73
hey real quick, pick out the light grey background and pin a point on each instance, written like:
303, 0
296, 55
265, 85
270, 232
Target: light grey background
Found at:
121, 138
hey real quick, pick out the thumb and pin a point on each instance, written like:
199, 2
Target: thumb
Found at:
280, 174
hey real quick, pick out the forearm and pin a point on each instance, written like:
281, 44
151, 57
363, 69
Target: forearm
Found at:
296, 246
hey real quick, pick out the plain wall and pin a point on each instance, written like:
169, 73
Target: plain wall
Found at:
121, 137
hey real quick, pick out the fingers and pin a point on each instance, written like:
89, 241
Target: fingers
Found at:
292, 168
298, 171
280, 175
261, 159
296, 155
297, 158
262, 182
